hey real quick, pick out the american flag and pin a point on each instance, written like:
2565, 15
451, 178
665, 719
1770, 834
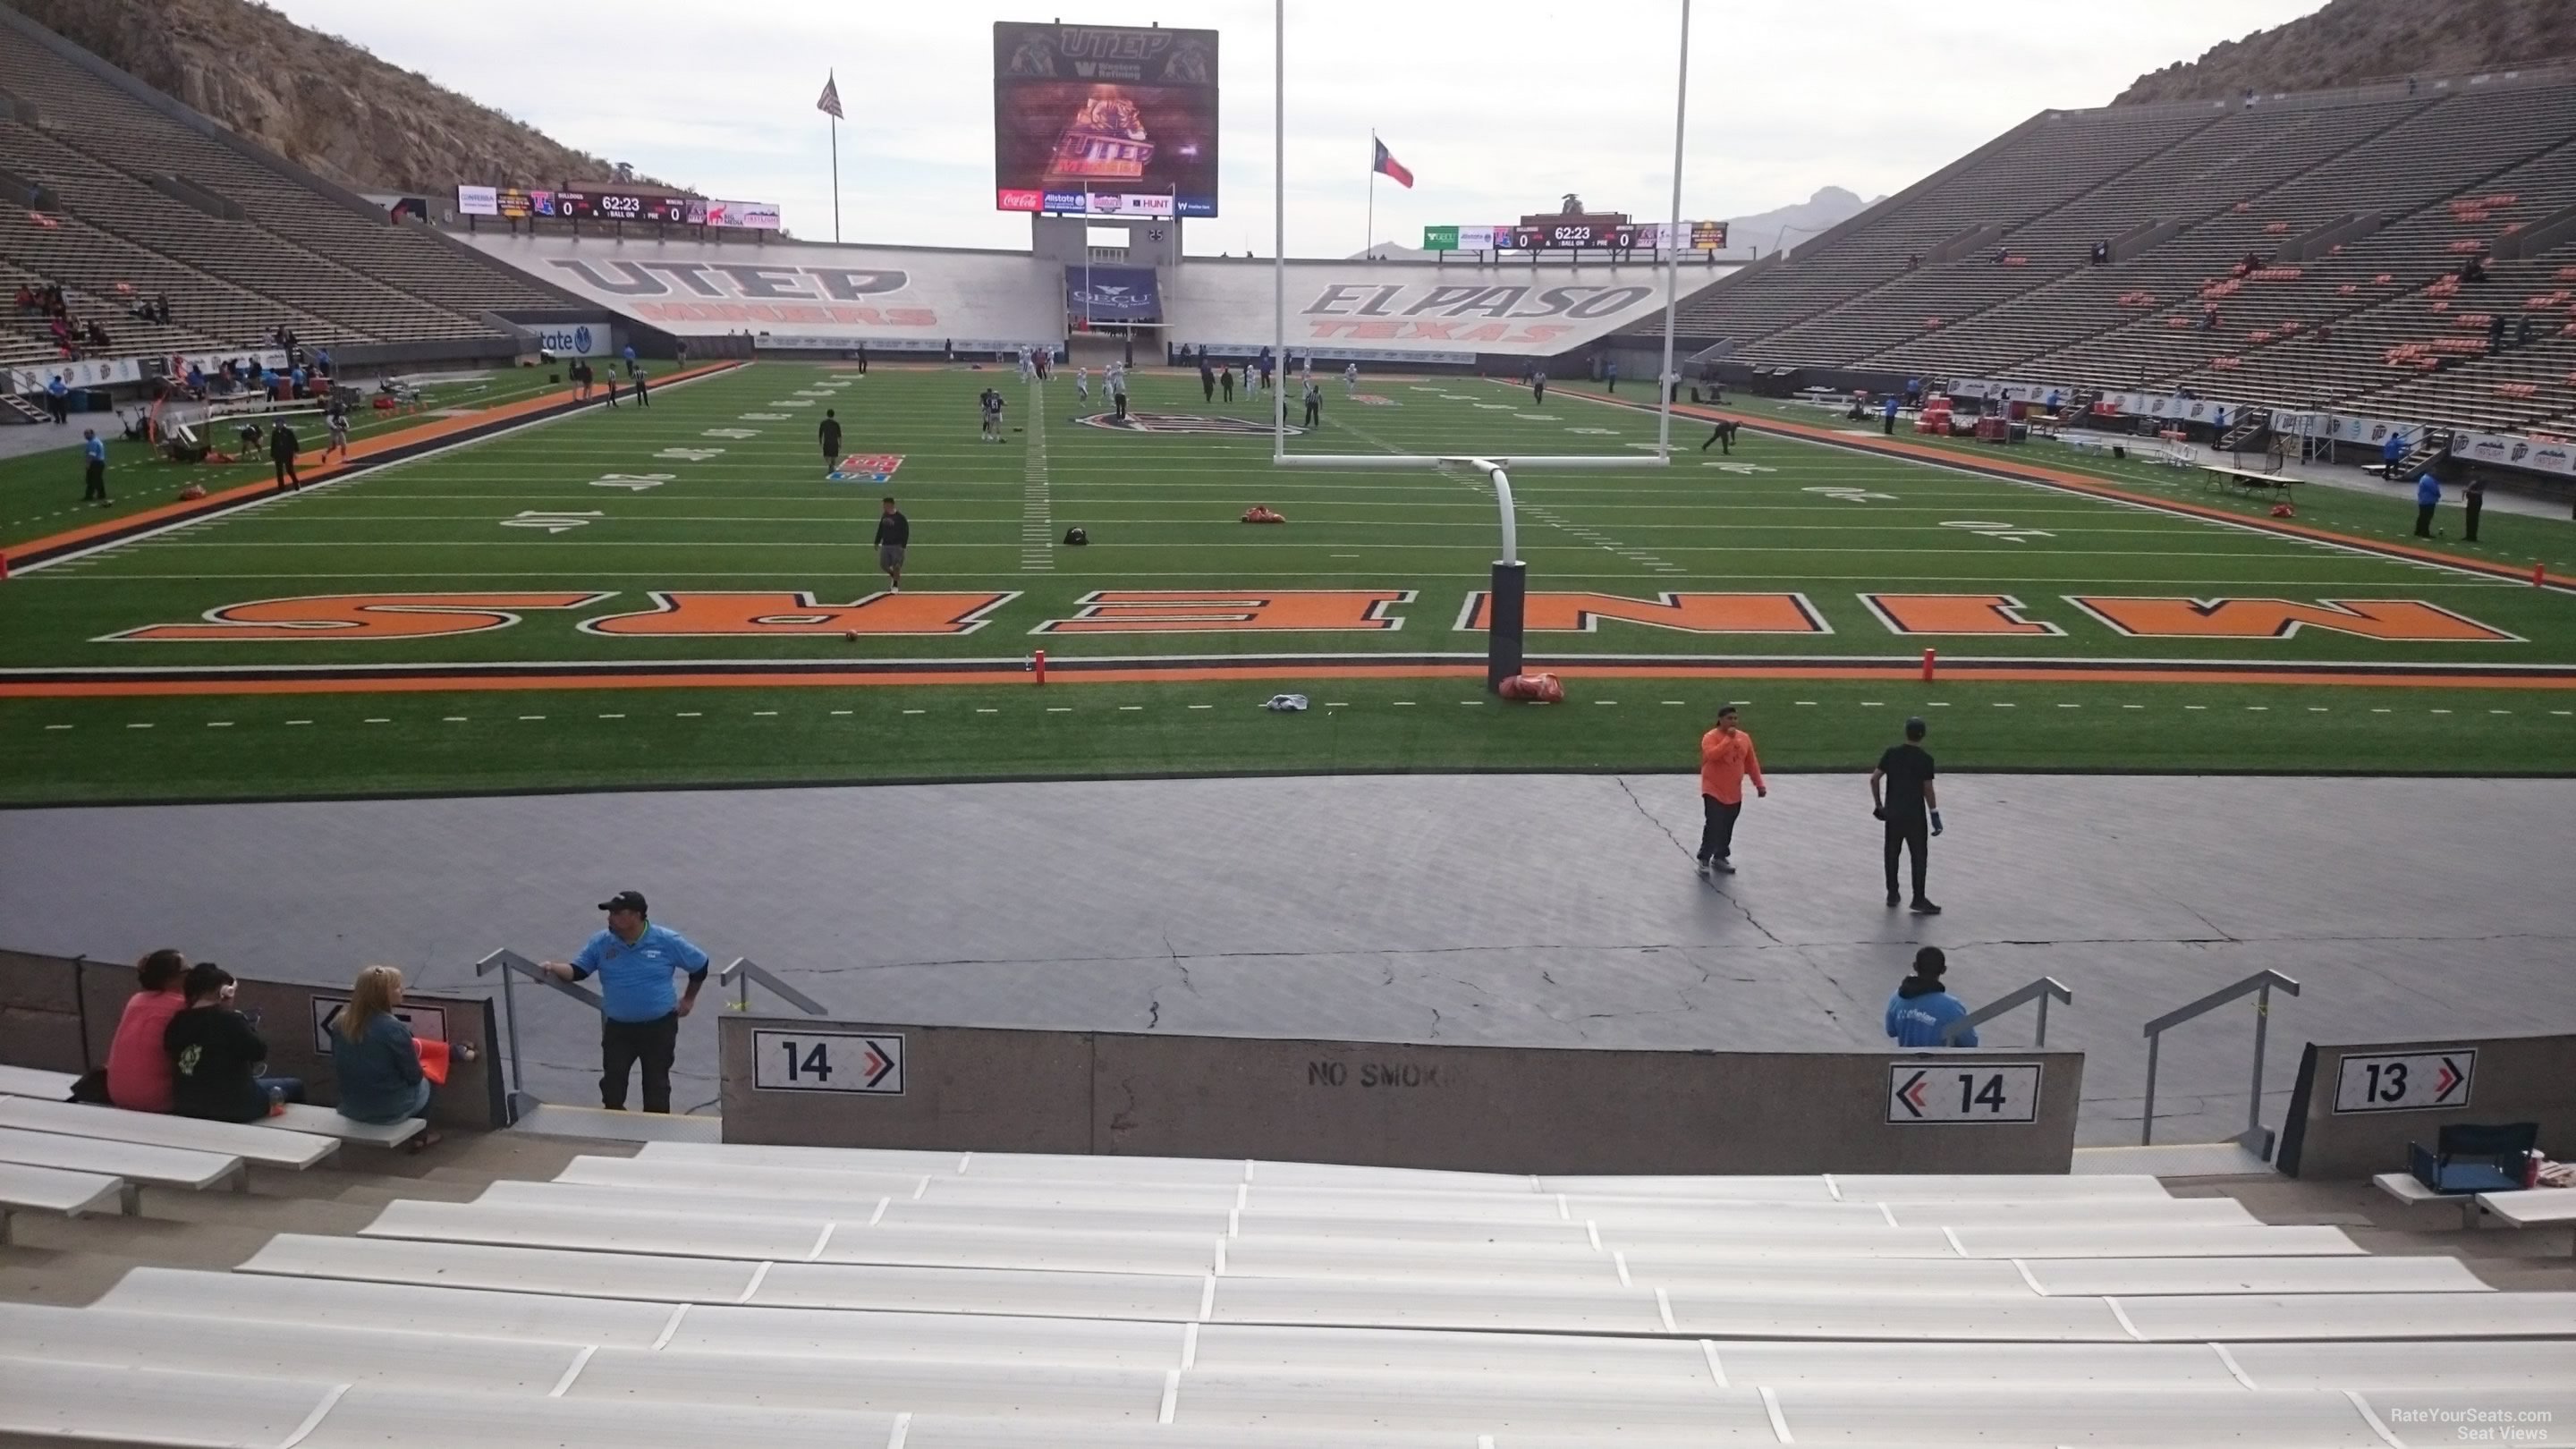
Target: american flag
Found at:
830, 104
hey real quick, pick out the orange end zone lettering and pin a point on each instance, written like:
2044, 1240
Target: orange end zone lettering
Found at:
2407, 621
362, 616
1954, 614
1185, 611
689, 613
1547, 613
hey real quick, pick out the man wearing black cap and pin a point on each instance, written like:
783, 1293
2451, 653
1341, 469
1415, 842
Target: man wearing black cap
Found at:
639, 1012
1907, 804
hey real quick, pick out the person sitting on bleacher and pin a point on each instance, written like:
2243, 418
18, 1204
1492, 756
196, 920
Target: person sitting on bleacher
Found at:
216, 1053
1922, 1006
375, 1058
138, 1068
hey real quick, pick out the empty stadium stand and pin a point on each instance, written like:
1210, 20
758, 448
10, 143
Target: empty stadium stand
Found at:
122, 194
708, 1293
2304, 251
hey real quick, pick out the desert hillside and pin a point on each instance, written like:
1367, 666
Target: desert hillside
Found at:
2358, 40
320, 101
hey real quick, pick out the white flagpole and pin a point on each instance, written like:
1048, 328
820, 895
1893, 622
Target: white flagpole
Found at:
1369, 242
1666, 383
830, 80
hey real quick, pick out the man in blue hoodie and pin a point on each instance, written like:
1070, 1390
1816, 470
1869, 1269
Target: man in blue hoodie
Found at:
2428, 496
1922, 1007
2391, 450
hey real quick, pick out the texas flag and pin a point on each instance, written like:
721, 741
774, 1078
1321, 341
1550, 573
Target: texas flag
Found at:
830, 104
1385, 164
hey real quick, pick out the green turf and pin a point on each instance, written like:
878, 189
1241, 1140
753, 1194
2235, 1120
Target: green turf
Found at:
743, 506
40, 494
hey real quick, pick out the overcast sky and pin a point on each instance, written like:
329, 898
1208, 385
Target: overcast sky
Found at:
1498, 106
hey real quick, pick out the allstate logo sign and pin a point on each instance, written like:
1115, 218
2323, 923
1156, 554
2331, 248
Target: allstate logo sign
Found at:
582, 340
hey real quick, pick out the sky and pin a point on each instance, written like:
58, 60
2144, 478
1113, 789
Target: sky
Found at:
1499, 107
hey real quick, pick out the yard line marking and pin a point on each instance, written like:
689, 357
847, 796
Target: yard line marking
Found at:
2195, 706
763, 712
837, 711
299, 721
65, 727
1202, 706
532, 716
1130, 707
378, 719
451, 719
1337, 704
2441, 711
1037, 515
916, 711
219, 724
1669, 701
2379, 711
1068, 709
612, 716
2499, 711
689, 714
138, 726
988, 711
1802, 701
2070, 706
2133, 706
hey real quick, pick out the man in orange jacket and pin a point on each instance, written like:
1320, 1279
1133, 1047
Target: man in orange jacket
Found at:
1725, 758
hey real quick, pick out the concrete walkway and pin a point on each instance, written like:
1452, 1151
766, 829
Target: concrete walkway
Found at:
1533, 910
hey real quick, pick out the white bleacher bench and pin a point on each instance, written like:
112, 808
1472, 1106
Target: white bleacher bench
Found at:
266, 1146
139, 1164
2538, 1207
2410, 1190
51, 1190
31, 1082
297, 1116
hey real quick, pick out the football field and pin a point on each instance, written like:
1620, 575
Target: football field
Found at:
683, 594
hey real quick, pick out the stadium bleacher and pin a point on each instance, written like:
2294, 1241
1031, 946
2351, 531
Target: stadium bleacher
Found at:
2361, 206
708, 1293
140, 205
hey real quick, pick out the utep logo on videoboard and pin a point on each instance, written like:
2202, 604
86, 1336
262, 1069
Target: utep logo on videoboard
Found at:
866, 468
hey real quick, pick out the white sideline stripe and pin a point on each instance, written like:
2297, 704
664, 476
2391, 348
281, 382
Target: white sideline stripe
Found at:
1190, 1345
1207, 1298
1171, 1395
759, 1275
878, 1216
1953, 1235
1708, 1351
1664, 1306
580, 1361
2370, 1416
331, 1400
2233, 1367
1620, 1261
1779, 1425
820, 1241
2122, 1314
671, 1326
2024, 1270
901, 1430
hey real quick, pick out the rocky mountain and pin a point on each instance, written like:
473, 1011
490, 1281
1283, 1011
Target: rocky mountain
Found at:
322, 102
2357, 40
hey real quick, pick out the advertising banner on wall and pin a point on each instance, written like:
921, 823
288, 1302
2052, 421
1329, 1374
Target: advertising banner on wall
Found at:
751, 215
478, 201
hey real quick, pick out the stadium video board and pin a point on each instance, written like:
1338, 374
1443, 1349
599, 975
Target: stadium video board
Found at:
1104, 120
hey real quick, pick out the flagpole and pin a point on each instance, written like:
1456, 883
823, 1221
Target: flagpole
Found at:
1370, 241
836, 180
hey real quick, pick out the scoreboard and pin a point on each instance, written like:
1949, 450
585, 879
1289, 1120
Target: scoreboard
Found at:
615, 206
1580, 233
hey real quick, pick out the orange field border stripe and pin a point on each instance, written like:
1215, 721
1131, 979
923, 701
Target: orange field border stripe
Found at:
2078, 483
1890, 673
411, 437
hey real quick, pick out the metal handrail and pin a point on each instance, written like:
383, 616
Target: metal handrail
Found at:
745, 971
2256, 1138
511, 964
2040, 991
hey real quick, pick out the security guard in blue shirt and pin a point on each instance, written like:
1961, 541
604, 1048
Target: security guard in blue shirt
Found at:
639, 1011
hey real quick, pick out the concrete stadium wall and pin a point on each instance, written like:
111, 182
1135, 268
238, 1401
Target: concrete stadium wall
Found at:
60, 1012
1466, 1108
2515, 1079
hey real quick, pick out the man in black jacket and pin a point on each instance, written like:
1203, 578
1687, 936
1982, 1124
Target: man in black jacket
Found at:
216, 1053
894, 535
282, 446
831, 436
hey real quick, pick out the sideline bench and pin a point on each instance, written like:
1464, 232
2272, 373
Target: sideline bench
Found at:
2249, 479
266, 1146
139, 1164
51, 1190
